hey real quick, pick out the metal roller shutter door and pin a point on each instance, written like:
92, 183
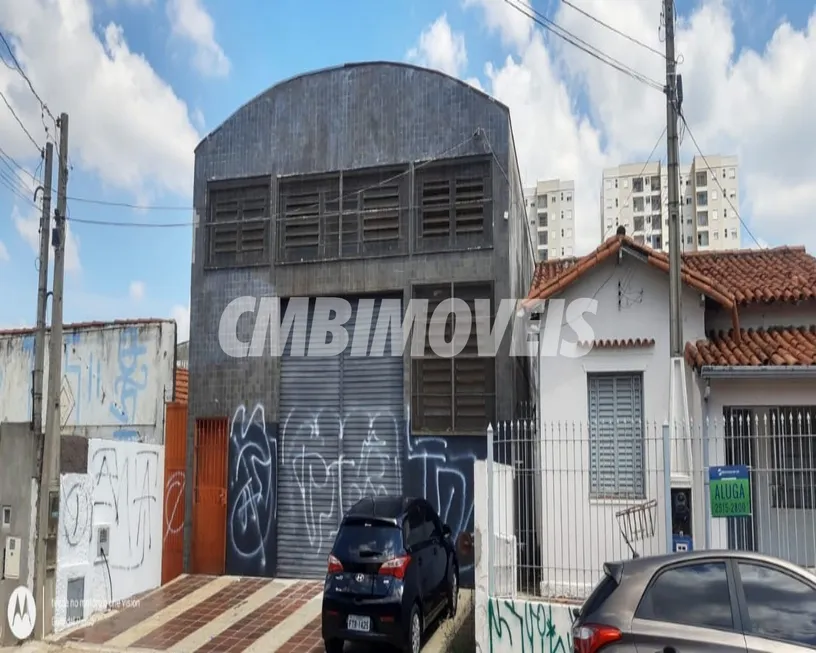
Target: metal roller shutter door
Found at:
340, 439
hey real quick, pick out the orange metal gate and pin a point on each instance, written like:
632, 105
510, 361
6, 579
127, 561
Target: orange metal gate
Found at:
210, 495
175, 458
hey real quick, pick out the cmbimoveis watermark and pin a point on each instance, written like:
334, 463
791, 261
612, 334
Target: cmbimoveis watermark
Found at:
381, 327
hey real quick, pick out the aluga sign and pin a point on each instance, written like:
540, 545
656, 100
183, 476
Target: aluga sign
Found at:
326, 333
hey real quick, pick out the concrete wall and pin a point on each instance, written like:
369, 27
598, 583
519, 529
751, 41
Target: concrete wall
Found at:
324, 122
114, 381
18, 453
504, 620
123, 490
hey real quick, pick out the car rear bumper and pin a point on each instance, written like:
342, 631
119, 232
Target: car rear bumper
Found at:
387, 619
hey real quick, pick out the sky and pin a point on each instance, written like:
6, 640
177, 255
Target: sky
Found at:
143, 81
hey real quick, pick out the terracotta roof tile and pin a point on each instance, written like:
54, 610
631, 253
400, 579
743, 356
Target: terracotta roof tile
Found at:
618, 344
785, 274
551, 278
775, 346
782, 274
182, 384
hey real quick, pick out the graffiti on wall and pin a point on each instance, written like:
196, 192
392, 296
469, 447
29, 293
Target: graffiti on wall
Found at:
333, 459
110, 378
174, 504
528, 626
336, 460
122, 490
252, 493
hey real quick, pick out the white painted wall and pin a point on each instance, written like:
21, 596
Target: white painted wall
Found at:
506, 622
113, 385
123, 490
580, 534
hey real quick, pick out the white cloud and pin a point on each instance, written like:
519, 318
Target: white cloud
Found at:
115, 100
756, 105
137, 290
4, 255
181, 314
191, 22
28, 226
440, 48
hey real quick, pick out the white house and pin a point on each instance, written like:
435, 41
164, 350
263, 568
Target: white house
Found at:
749, 321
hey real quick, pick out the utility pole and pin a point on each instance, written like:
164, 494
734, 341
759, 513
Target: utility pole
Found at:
42, 297
673, 159
49, 477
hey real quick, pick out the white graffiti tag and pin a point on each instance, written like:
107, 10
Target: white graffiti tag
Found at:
252, 484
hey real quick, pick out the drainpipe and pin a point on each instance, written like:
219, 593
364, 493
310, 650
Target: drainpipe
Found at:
706, 465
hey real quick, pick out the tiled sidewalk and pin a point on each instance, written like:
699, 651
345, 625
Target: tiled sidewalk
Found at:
205, 614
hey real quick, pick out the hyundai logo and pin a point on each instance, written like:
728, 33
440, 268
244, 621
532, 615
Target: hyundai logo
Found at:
360, 578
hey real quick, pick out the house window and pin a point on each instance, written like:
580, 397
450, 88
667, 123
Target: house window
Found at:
542, 219
732, 173
616, 183
702, 239
454, 395
616, 457
542, 237
792, 455
702, 198
238, 218
701, 179
702, 218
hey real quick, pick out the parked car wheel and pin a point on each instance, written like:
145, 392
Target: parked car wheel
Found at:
333, 645
414, 643
453, 593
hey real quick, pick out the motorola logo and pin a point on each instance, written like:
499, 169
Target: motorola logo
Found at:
22, 613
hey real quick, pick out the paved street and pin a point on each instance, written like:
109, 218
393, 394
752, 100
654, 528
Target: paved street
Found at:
206, 614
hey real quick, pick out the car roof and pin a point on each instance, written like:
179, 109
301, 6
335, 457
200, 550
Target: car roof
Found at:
650, 564
387, 508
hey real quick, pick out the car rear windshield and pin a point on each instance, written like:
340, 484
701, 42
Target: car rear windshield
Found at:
368, 539
599, 596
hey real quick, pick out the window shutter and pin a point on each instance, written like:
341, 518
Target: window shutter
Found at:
616, 436
436, 200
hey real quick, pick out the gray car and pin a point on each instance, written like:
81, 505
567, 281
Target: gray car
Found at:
699, 602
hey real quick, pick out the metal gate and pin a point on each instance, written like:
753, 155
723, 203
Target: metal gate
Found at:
175, 458
210, 496
341, 425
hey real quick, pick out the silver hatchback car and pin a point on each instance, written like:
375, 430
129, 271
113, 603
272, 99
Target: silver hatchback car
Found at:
699, 602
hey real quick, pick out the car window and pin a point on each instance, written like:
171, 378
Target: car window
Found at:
361, 539
600, 594
693, 595
779, 605
414, 527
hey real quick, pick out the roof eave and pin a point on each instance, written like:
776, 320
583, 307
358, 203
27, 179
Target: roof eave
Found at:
758, 372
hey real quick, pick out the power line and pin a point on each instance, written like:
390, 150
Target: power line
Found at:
20, 122
719, 184
645, 165
22, 73
479, 132
552, 27
614, 29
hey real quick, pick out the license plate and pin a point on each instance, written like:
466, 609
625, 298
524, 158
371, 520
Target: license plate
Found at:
360, 624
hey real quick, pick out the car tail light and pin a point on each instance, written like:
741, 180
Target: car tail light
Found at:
395, 567
590, 638
335, 566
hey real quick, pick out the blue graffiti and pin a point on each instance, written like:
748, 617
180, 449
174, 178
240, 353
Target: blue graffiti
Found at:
127, 435
73, 366
132, 377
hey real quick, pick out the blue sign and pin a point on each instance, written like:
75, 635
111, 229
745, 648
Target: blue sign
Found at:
682, 543
730, 491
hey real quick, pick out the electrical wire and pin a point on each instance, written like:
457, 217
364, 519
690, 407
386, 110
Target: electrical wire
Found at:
479, 132
719, 184
22, 73
20, 122
643, 170
614, 29
551, 26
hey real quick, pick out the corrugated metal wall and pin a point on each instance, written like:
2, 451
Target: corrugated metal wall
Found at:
341, 440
